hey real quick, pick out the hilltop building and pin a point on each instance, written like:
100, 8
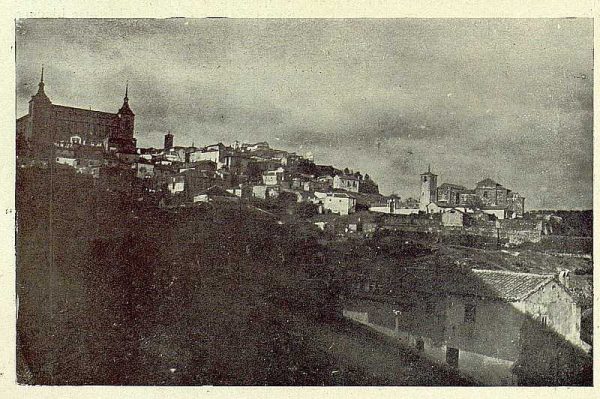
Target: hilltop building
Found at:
355, 183
488, 196
48, 124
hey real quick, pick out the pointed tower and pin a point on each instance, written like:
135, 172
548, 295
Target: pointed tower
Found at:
39, 128
123, 137
40, 98
125, 110
428, 189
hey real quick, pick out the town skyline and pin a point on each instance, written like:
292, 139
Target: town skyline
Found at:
234, 96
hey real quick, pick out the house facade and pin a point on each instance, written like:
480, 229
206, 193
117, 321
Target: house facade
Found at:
339, 203
499, 327
346, 182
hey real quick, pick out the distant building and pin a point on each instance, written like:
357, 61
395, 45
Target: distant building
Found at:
449, 194
168, 141
428, 189
453, 218
355, 183
468, 198
216, 153
491, 193
395, 206
176, 184
144, 170
237, 162
215, 194
515, 205
47, 124
488, 196
273, 177
243, 191
339, 203
263, 145
66, 161
346, 182
495, 197
265, 192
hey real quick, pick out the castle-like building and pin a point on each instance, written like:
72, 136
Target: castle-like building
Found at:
48, 125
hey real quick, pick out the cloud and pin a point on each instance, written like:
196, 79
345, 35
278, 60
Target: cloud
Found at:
506, 99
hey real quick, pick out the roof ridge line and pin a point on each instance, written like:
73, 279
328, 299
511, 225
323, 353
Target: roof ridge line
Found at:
511, 272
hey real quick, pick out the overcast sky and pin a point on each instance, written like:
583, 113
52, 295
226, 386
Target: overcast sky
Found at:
508, 99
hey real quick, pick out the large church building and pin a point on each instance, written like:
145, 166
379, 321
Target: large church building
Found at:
48, 125
488, 196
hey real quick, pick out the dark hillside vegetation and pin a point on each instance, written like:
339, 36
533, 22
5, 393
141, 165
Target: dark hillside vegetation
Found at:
115, 292
112, 295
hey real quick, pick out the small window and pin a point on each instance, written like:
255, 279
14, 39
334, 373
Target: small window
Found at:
544, 320
424, 179
485, 194
469, 313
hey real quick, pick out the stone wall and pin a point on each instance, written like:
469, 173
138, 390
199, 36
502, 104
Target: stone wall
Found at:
515, 231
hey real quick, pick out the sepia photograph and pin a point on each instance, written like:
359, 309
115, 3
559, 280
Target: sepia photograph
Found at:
304, 202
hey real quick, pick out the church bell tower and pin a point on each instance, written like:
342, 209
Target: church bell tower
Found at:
40, 129
428, 189
123, 138
126, 117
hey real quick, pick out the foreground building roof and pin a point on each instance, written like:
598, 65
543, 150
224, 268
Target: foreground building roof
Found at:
513, 286
493, 284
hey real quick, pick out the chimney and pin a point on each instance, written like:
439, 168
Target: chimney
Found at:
564, 277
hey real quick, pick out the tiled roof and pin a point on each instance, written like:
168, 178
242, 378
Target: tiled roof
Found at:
513, 286
83, 111
494, 284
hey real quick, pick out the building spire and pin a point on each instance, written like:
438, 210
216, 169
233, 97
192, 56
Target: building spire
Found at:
41, 96
41, 84
125, 110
